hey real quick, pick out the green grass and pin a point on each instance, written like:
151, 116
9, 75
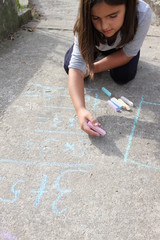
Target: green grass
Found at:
19, 6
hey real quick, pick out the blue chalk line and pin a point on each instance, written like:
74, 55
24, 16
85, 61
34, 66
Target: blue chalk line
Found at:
133, 129
45, 164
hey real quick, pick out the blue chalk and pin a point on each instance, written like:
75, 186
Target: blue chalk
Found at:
115, 101
109, 94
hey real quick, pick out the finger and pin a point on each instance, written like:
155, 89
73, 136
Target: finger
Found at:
95, 122
89, 131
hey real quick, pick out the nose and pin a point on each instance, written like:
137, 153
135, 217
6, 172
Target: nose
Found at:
104, 25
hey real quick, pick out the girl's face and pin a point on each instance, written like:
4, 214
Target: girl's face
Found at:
108, 19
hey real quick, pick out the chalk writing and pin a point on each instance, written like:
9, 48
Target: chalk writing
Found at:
45, 164
57, 124
62, 191
42, 190
15, 193
50, 147
50, 94
133, 161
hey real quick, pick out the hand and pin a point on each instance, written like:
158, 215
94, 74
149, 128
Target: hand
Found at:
84, 116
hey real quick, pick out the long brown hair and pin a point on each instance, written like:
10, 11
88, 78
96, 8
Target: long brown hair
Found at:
89, 37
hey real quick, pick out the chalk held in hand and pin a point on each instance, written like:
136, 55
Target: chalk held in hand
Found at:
107, 92
97, 129
127, 101
117, 109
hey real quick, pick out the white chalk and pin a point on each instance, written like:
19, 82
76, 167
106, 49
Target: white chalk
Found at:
126, 107
127, 101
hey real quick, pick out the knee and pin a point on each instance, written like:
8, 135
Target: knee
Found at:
122, 78
67, 59
66, 67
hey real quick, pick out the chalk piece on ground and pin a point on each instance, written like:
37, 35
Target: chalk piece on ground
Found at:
127, 101
106, 91
124, 104
115, 101
111, 104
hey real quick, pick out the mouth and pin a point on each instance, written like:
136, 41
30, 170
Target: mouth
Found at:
107, 31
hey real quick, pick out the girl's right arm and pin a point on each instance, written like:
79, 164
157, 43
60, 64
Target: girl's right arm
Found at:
76, 90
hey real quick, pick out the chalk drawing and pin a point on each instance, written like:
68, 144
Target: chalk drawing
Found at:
45, 164
16, 193
137, 162
49, 94
57, 124
63, 191
41, 191
132, 132
51, 147
33, 94
96, 101
47, 131
71, 122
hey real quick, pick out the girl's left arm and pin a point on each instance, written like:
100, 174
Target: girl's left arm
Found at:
116, 59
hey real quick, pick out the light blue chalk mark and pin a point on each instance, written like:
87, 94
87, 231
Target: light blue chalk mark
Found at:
46, 149
42, 120
87, 99
57, 123
151, 103
33, 94
41, 191
29, 145
132, 132
63, 191
76, 150
59, 107
16, 193
59, 132
145, 165
1, 178
96, 102
72, 122
89, 90
46, 87
46, 164
69, 147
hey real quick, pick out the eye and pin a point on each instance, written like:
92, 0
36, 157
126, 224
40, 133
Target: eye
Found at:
113, 16
95, 18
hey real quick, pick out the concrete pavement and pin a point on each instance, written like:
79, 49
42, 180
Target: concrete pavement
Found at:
56, 183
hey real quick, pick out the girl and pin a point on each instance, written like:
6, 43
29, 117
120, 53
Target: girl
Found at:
114, 28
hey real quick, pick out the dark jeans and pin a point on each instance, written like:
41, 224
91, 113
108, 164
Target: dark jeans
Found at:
120, 75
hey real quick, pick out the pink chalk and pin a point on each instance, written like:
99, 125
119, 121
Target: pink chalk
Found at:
97, 129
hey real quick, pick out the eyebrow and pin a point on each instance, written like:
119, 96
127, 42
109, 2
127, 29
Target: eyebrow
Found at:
114, 13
